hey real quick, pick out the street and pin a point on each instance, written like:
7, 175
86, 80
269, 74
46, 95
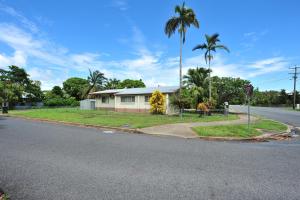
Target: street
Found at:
280, 114
51, 161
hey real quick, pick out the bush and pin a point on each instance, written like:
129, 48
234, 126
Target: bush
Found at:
157, 102
202, 107
58, 101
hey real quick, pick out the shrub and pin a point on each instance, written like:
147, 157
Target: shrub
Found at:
157, 103
202, 107
58, 101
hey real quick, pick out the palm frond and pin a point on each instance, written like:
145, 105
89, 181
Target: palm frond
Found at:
200, 46
214, 38
178, 9
222, 47
171, 26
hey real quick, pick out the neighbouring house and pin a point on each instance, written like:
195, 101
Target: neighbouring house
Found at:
132, 99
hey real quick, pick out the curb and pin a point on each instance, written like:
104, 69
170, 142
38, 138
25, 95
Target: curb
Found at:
128, 130
138, 131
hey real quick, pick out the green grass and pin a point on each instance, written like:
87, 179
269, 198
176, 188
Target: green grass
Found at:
241, 131
114, 119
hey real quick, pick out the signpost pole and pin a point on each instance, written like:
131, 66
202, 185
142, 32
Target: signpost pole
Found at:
249, 93
249, 115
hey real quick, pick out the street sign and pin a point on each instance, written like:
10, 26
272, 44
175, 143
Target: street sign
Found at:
249, 90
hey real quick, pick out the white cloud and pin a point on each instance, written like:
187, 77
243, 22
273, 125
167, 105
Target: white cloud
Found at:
122, 5
25, 22
51, 63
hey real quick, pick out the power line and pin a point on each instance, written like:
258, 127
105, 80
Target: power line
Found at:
272, 80
295, 73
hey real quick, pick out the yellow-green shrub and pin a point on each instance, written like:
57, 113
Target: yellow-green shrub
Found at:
157, 103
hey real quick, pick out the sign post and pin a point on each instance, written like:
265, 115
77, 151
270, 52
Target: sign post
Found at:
249, 93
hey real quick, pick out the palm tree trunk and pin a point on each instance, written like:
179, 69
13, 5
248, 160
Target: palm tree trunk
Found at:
180, 72
209, 86
180, 65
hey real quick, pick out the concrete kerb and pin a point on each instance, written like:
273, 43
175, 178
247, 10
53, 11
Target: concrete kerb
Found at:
128, 130
138, 131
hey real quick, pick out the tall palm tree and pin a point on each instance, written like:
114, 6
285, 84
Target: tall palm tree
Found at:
211, 45
96, 80
185, 18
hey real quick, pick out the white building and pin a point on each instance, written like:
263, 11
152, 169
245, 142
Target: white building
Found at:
132, 99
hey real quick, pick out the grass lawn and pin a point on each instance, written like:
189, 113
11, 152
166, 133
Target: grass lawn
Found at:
114, 119
240, 130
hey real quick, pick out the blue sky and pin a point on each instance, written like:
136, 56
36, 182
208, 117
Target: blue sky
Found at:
55, 40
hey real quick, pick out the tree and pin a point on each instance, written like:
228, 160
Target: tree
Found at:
186, 17
56, 90
211, 45
129, 83
157, 103
227, 89
18, 75
181, 100
34, 92
75, 87
196, 80
96, 80
112, 84
18, 85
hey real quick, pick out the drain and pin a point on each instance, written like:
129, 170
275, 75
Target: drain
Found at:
294, 132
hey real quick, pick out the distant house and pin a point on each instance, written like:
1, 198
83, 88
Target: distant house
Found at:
132, 99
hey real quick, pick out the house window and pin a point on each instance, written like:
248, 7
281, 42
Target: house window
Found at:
147, 98
105, 100
128, 99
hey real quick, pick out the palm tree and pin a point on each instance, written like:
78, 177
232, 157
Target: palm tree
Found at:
197, 80
96, 80
212, 44
186, 17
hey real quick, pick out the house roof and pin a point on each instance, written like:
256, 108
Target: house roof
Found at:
113, 91
133, 91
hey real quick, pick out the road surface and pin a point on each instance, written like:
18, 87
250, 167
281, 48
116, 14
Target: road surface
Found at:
49, 161
280, 114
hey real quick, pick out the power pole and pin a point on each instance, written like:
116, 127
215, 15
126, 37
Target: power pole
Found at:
295, 73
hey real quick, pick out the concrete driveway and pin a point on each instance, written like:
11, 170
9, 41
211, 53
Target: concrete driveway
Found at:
279, 114
47, 161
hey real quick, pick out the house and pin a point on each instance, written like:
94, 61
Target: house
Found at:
132, 99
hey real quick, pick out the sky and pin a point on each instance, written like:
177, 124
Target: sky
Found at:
56, 40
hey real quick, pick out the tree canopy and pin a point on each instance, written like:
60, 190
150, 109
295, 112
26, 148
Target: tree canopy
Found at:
17, 87
129, 83
75, 87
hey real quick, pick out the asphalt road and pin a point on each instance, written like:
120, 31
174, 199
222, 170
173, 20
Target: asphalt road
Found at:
49, 161
280, 114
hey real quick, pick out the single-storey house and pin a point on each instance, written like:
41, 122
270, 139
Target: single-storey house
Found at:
132, 99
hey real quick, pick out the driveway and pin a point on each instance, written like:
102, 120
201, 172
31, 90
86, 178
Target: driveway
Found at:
48, 161
279, 114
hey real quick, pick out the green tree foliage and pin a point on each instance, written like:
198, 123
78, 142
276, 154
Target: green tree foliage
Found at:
129, 83
76, 87
112, 84
96, 81
157, 103
17, 86
56, 90
182, 100
227, 89
185, 17
211, 45
196, 80
269, 98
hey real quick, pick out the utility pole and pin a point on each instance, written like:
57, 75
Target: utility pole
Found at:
295, 73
